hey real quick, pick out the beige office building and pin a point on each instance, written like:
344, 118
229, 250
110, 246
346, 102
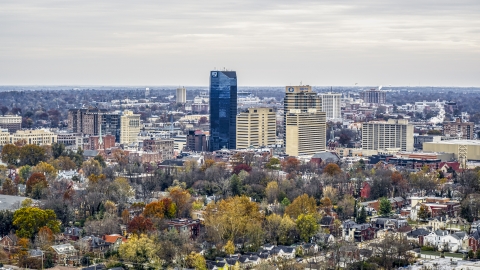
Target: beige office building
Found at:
394, 134
331, 105
129, 127
470, 148
181, 95
36, 136
256, 127
304, 121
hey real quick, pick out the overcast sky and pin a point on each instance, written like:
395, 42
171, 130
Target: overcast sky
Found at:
268, 42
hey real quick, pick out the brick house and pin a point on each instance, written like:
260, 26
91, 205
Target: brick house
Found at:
185, 225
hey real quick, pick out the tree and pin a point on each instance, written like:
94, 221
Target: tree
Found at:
32, 154
3, 110
287, 231
29, 220
229, 247
48, 170
121, 157
272, 227
273, 164
90, 167
424, 212
307, 226
139, 225
362, 218
35, 184
44, 238
235, 218
241, 167
8, 187
236, 185
196, 261
64, 163
301, 205
139, 249
291, 164
332, 169
25, 172
6, 222
272, 191
100, 160
385, 207
347, 206
11, 154
182, 200
154, 210
57, 149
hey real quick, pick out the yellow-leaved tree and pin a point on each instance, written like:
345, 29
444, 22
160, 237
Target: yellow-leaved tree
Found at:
303, 204
140, 249
237, 219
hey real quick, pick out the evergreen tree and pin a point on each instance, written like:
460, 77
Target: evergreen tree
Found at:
362, 218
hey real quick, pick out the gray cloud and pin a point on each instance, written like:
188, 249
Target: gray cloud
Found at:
268, 43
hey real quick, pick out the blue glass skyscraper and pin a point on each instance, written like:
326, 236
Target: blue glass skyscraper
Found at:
223, 110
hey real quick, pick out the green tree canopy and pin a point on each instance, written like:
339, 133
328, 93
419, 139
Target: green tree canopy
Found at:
307, 226
29, 220
385, 206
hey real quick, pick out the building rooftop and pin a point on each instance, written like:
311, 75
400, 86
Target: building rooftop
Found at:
455, 142
8, 202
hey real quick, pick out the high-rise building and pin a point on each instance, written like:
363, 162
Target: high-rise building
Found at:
331, 105
459, 129
256, 127
181, 95
304, 121
196, 141
11, 122
374, 96
130, 127
88, 121
223, 109
392, 134
147, 92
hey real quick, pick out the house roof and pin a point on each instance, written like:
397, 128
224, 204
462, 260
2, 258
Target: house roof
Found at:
112, 238
327, 220
418, 232
63, 249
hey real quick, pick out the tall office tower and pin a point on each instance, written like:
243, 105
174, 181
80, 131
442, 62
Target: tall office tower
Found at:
130, 127
223, 109
88, 121
304, 121
147, 92
459, 129
256, 127
181, 95
393, 134
11, 122
331, 105
374, 96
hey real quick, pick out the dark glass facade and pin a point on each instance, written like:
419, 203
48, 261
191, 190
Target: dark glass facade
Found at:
223, 110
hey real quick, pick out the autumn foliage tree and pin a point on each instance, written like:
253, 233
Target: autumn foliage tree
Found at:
35, 183
160, 209
291, 164
139, 225
235, 219
29, 220
332, 169
241, 167
182, 199
303, 204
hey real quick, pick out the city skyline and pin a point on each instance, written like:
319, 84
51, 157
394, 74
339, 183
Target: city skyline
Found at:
272, 43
